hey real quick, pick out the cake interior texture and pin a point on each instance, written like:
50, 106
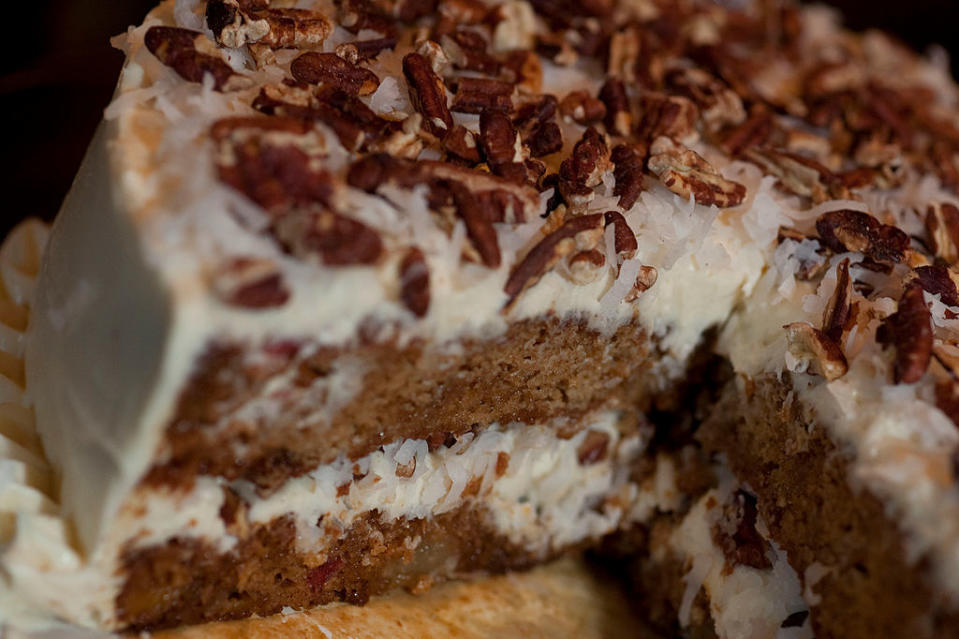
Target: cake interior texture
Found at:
363, 295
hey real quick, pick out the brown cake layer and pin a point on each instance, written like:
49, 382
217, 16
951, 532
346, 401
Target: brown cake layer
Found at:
538, 370
813, 512
190, 581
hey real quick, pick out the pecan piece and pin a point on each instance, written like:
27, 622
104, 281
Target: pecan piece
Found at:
534, 121
942, 225
735, 533
671, 116
753, 132
909, 331
501, 146
799, 174
270, 160
838, 309
645, 279
583, 169
234, 25
336, 239
427, 94
809, 269
479, 224
624, 240
582, 108
332, 70
816, 353
628, 163
593, 447
619, 119
461, 143
687, 174
415, 282
361, 15
467, 49
476, 95
585, 266
177, 49
939, 280
251, 282
582, 232
847, 230
361, 50
718, 105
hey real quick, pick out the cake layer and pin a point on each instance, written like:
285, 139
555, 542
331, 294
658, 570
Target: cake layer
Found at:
859, 560
269, 412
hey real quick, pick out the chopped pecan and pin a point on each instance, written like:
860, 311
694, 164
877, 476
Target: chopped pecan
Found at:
332, 70
624, 240
753, 132
467, 49
461, 143
525, 70
585, 266
687, 174
909, 331
433, 52
798, 174
583, 108
939, 280
942, 225
628, 163
454, 13
504, 200
816, 353
336, 239
427, 94
479, 224
670, 116
362, 15
234, 25
582, 232
809, 269
584, 169
545, 140
593, 447
645, 280
718, 105
619, 118
838, 310
501, 146
270, 160
735, 533
534, 121
415, 282
847, 230
177, 49
251, 282
361, 50
515, 27
476, 95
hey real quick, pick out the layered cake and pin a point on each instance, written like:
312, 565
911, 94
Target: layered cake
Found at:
356, 296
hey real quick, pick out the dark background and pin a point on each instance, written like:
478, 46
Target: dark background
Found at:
57, 73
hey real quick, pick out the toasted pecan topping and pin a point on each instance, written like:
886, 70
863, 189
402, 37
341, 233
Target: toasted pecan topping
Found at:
909, 331
847, 230
251, 282
628, 161
335, 239
476, 95
624, 240
619, 118
582, 232
816, 352
942, 225
584, 168
332, 70
838, 310
581, 107
415, 282
937, 279
427, 94
177, 49
585, 266
687, 174
235, 25
361, 50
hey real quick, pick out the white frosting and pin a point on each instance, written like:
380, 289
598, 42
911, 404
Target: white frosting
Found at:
744, 602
